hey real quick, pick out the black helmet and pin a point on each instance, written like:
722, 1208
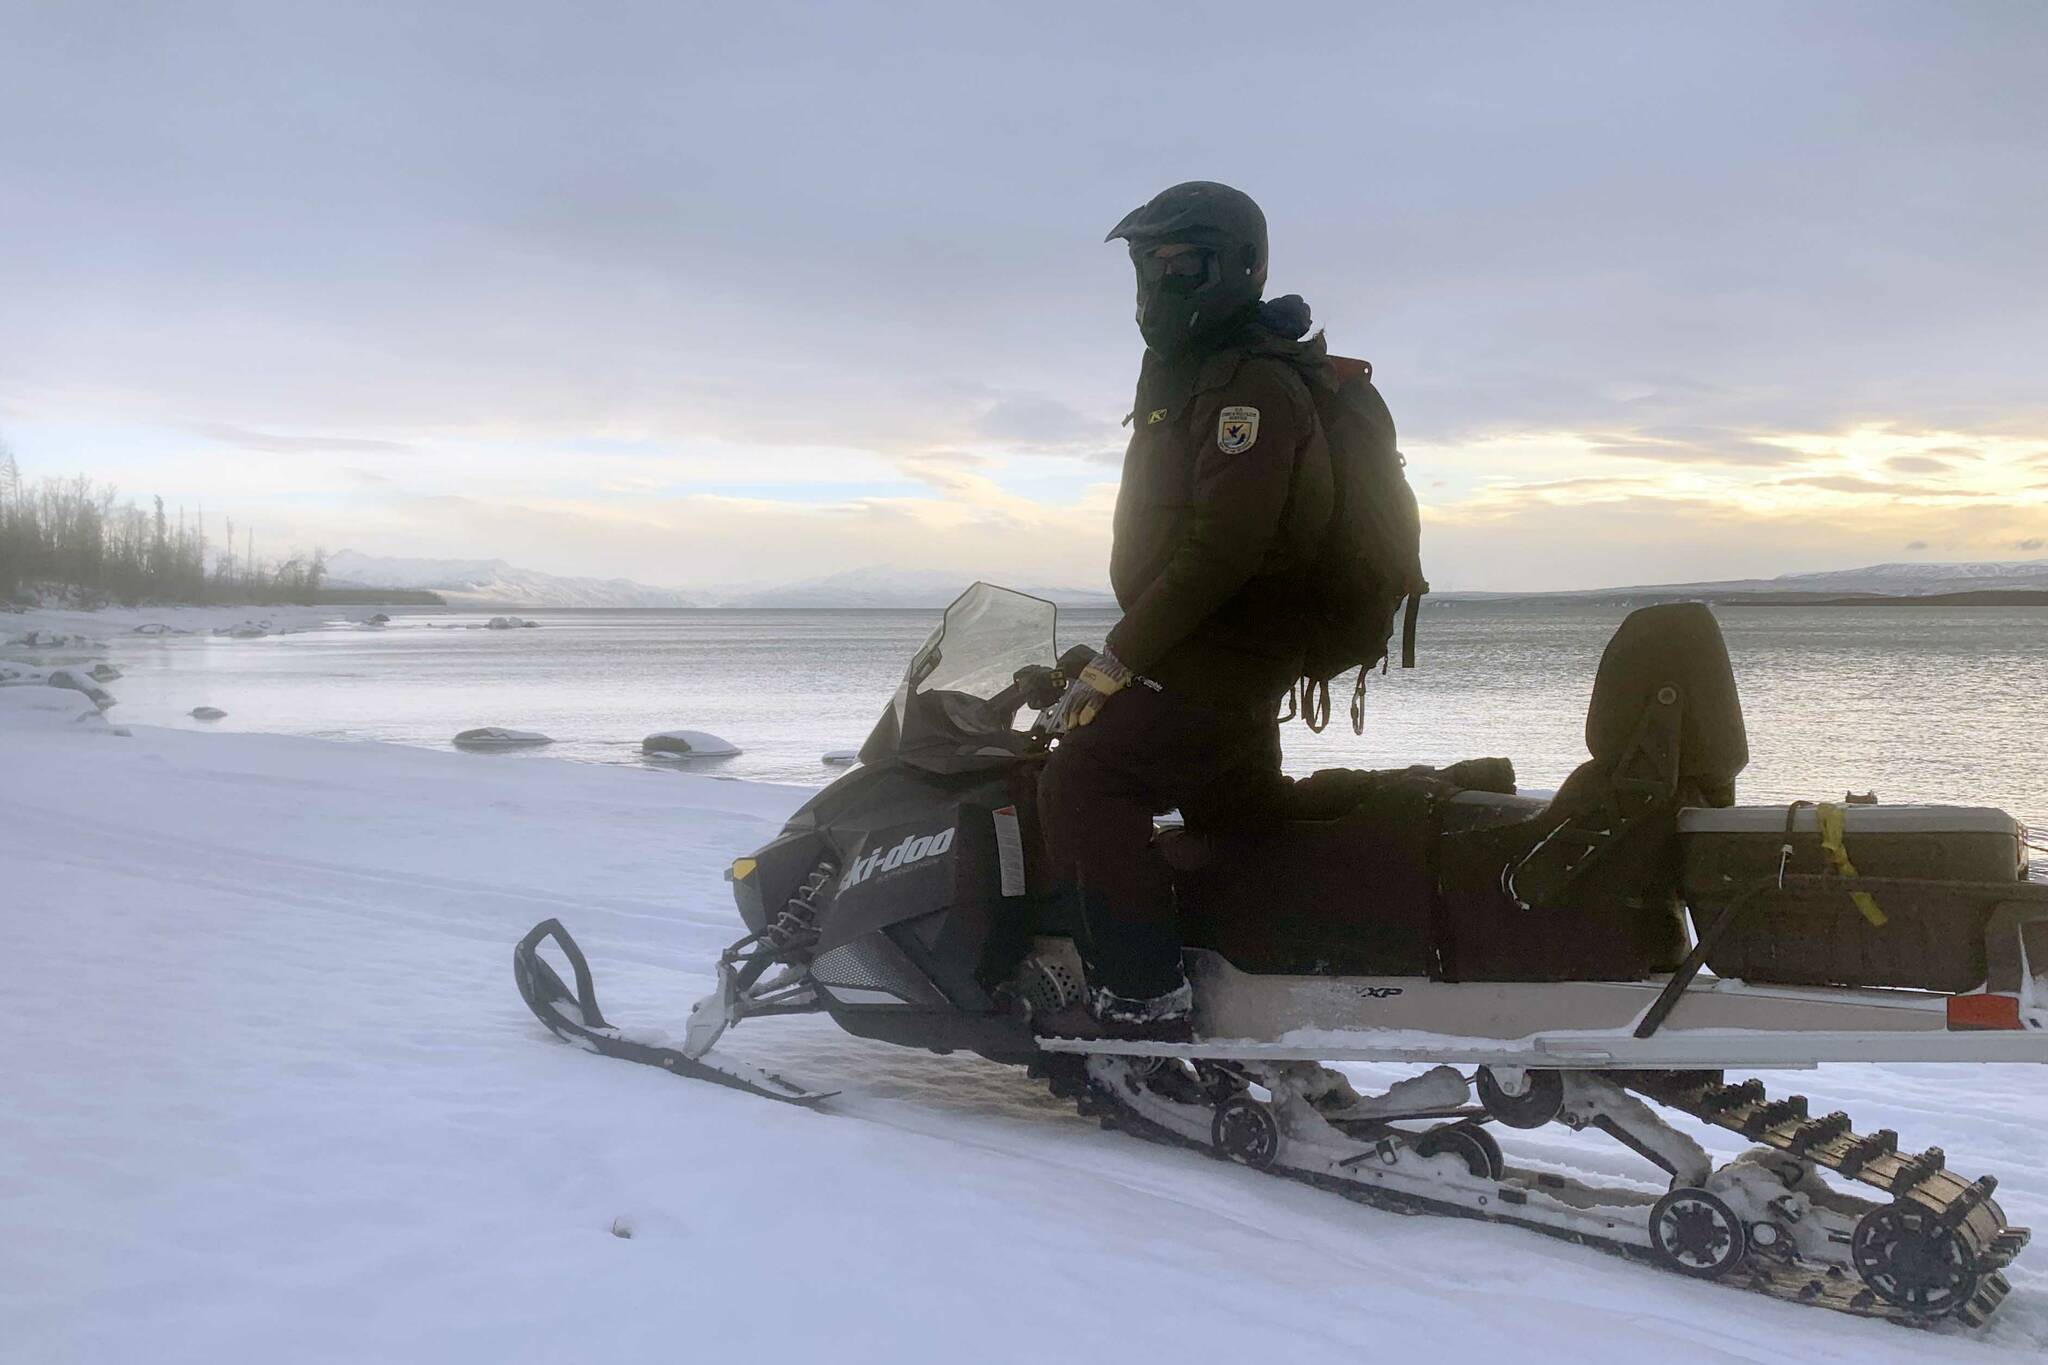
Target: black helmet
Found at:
1183, 306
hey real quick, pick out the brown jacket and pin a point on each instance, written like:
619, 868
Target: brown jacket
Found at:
1225, 497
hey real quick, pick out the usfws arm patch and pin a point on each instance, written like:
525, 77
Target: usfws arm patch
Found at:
1236, 429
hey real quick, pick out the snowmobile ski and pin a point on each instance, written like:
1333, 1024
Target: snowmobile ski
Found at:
575, 1017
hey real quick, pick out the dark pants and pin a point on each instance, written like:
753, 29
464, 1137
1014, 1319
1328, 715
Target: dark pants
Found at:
1146, 753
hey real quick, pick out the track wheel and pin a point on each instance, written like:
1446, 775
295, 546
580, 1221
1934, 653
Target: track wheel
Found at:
1910, 1259
1244, 1130
1473, 1145
1534, 1107
1694, 1233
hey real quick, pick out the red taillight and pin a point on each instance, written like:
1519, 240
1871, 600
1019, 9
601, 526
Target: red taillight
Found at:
1988, 1011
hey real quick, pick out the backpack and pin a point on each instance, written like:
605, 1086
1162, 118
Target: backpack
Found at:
1370, 562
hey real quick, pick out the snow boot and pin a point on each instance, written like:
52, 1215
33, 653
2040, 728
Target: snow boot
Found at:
1102, 1015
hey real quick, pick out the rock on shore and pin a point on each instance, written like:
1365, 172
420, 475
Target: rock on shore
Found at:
687, 744
498, 737
78, 680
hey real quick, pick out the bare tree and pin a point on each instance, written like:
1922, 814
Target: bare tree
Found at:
73, 537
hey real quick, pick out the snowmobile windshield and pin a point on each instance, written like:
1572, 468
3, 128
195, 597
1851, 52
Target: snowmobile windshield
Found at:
959, 691
987, 635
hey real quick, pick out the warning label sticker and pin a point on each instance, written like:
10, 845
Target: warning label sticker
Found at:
1010, 850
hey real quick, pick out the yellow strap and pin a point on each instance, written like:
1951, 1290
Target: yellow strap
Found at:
1830, 817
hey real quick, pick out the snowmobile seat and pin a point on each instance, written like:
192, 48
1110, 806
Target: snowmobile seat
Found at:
1345, 882
1448, 873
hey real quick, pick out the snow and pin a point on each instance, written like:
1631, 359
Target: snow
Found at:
687, 744
270, 1096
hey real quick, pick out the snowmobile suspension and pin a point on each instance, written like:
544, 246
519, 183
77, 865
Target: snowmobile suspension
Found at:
1764, 1222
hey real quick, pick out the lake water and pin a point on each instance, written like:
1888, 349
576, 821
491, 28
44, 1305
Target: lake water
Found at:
1914, 703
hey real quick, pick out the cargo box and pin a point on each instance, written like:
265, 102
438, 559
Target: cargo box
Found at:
1932, 938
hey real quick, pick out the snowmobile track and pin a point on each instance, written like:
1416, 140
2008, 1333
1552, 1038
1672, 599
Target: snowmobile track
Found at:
1740, 1108
1919, 1182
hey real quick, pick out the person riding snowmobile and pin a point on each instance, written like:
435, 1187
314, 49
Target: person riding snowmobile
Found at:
1225, 497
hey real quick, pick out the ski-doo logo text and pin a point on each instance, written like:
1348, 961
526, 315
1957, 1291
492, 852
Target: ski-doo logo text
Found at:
915, 848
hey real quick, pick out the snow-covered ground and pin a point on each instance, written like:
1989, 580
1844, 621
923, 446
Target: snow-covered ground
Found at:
269, 1096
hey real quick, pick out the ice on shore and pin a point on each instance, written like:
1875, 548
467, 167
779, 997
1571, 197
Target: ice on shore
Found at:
21, 707
499, 737
49, 639
72, 679
155, 620
687, 744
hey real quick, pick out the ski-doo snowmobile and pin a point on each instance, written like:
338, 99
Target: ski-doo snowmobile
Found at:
1597, 958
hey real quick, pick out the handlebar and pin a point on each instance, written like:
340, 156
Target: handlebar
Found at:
1038, 686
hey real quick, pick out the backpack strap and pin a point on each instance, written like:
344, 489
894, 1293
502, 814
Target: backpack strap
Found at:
1315, 704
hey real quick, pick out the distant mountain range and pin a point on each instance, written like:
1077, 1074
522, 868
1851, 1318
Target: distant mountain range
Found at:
496, 583
1887, 580
888, 587
1914, 580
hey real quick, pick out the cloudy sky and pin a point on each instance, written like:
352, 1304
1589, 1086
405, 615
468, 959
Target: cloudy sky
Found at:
726, 292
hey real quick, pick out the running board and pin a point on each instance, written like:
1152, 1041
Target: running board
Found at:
1718, 1023
1771, 1051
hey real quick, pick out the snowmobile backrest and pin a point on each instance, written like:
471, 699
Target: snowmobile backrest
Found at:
1675, 644
1664, 730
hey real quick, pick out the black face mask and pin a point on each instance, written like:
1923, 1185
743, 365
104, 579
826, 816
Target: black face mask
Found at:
1189, 300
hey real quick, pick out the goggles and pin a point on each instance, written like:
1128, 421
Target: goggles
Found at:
1191, 265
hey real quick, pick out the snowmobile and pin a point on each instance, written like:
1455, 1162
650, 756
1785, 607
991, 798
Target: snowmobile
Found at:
1597, 958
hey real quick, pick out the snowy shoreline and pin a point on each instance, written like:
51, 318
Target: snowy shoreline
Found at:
272, 1097
106, 623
